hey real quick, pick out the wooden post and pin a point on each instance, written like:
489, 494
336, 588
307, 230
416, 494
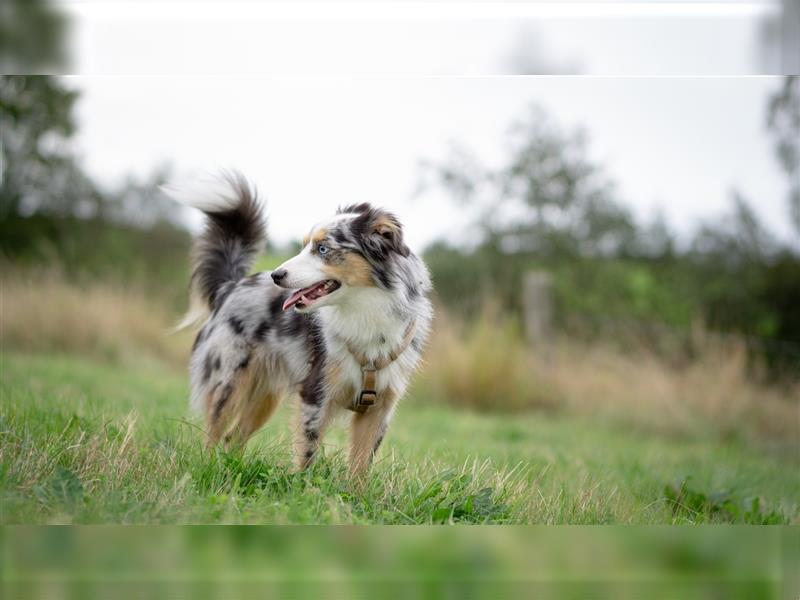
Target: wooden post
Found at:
537, 309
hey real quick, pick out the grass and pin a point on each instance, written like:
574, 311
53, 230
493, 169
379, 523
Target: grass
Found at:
93, 429
85, 441
484, 364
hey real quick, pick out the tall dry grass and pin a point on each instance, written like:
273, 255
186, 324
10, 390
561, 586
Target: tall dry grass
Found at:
486, 365
483, 364
41, 311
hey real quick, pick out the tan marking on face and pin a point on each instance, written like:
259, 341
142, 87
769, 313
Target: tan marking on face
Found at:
354, 271
315, 236
319, 235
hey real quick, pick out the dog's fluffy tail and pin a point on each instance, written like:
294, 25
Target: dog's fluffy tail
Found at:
233, 235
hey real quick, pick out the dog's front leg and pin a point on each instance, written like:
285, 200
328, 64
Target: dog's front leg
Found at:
312, 420
367, 432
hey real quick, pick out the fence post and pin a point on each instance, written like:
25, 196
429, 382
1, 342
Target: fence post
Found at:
537, 309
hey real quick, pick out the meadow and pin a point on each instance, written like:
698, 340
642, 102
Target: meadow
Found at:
95, 429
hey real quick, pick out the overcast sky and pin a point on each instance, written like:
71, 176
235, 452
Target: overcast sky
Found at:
315, 122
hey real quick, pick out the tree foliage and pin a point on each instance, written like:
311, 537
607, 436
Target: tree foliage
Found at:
51, 211
39, 169
548, 197
41, 172
549, 206
783, 120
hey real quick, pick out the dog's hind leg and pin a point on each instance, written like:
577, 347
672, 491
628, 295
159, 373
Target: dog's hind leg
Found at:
226, 400
256, 412
220, 410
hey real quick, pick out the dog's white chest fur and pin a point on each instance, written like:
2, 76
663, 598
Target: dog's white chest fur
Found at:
370, 325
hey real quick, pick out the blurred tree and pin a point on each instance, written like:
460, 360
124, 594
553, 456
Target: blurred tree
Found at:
140, 202
732, 256
655, 240
529, 55
783, 120
549, 206
39, 171
548, 199
736, 239
32, 37
51, 212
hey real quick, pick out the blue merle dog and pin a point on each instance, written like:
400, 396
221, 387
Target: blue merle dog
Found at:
342, 323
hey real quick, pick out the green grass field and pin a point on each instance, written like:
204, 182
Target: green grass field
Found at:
86, 442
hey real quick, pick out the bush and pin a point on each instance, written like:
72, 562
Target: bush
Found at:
43, 312
484, 364
154, 259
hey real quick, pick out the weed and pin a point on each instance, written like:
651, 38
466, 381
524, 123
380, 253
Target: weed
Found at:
718, 506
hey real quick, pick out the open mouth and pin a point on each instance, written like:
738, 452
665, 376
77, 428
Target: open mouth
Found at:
307, 296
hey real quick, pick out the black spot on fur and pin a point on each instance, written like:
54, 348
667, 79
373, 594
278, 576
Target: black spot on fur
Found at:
260, 332
359, 226
354, 208
312, 434
237, 325
208, 366
276, 305
378, 443
222, 295
382, 277
243, 363
292, 324
217, 363
201, 336
224, 396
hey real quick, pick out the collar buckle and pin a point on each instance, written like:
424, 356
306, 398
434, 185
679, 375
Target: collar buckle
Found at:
368, 395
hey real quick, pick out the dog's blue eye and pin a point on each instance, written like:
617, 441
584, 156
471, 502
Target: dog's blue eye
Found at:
322, 249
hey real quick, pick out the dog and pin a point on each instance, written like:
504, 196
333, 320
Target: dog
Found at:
341, 325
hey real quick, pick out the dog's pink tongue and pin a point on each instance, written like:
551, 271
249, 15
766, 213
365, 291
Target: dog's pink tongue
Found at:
299, 295
293, 299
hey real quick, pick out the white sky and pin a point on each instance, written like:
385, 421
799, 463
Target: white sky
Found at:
341, 109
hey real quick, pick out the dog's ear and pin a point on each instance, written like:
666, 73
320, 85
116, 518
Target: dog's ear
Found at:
390, 232
381, 233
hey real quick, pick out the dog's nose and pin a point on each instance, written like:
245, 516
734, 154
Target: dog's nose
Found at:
279, 275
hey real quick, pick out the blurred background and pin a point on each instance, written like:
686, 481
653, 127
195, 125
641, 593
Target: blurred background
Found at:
620, 248
655, 218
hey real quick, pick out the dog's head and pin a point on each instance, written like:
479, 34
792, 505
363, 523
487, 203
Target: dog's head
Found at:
358, 248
